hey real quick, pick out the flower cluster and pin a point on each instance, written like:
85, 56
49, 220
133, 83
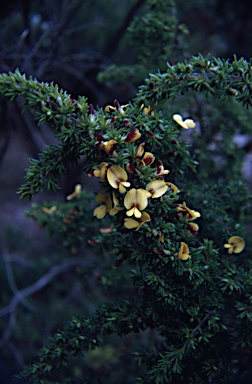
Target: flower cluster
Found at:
131, 186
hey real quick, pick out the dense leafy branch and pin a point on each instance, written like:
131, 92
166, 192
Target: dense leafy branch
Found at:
203, 75
186, 289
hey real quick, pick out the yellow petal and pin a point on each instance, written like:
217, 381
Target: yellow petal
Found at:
100, 212
148, 158
136, 198
115, 175
140, 150
100, 198
130, 212
189, 123
137, 213
183, 253
109, 203
130, 223
237, 242
122, 186
157, 188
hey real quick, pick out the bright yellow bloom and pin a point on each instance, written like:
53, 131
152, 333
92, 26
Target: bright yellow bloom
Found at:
188, 123
101, 171
117, 178
49, 211
76, 192
116, 207
235, 244
183, 253
157, 188
135, 201
190, 213
106, 206
130, 223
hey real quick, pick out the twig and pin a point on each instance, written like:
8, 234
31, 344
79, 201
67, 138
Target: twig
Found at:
41, 283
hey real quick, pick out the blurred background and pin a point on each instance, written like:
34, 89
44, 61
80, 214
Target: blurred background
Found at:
103, 50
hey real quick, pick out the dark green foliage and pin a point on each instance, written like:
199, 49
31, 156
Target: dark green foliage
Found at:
199, 305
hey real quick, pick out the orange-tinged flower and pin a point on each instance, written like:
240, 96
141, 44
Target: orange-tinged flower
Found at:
49, 211
116, 207
117, 178
173, 187
190, 213
101, 171
108, 146
157, 188
130, 223
140, 150
192, 228
133, 136
235, 244
148, 159
188, 123
76, 192
106, 206
183, 253
135, 201
130, 169
160, 169
150, 133
149, 111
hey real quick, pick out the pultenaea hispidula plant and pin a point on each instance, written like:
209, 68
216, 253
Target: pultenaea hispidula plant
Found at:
196, 297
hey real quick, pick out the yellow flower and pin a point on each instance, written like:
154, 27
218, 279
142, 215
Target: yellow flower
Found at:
116, 207
130, 223
235, 244
133, 136
117, 107
148, 111
160, 169
192, 228
106, 202
190, 213
183, 253
135, 201
117, 177
188, 123
130, 169
76, 192
140, 150
148, 159
101, 171
49, 211
157, 188
108, 146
